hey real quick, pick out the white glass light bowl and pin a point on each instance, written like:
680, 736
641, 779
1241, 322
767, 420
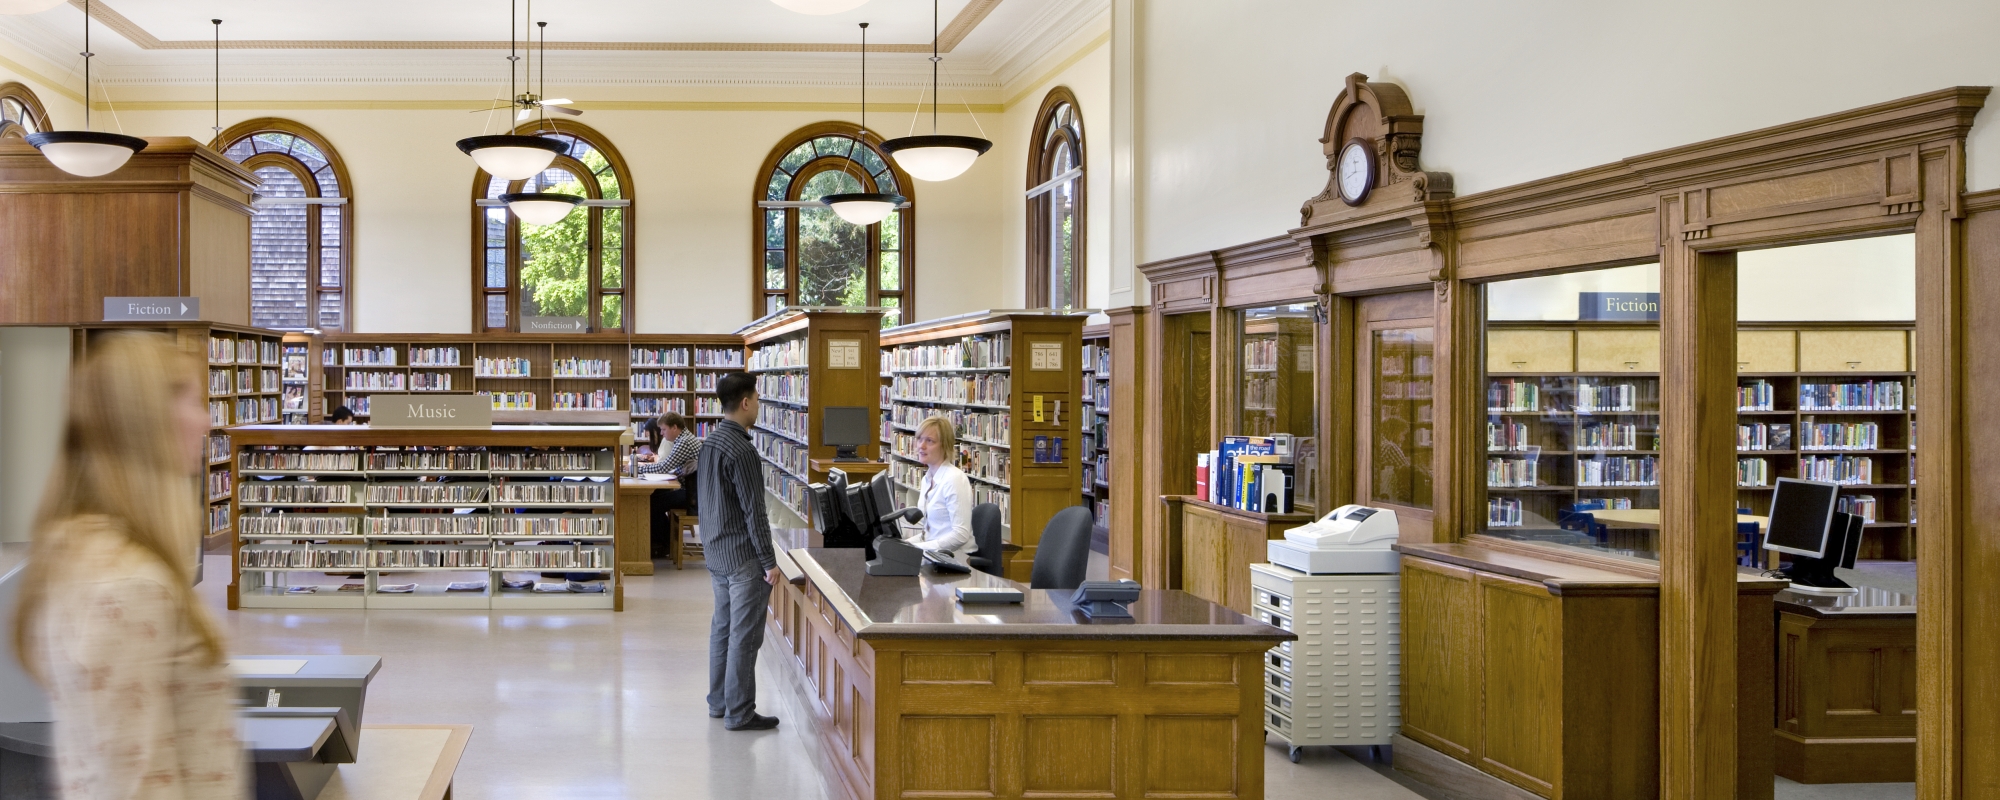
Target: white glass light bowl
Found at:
86, 154
512, 157
541, 208
936, 157
863, 208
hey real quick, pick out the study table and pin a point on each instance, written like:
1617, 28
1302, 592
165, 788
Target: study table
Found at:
635, 525
916, 695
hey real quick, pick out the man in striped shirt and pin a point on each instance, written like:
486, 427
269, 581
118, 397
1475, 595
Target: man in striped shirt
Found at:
742, 564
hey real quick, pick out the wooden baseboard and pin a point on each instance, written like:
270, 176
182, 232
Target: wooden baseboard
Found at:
1451, 775
1887, 760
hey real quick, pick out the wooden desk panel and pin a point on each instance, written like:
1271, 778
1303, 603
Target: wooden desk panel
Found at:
1218, 545
1847, 681
635, 524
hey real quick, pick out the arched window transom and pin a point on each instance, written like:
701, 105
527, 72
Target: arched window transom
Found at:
1056, 275
21, 112
808, 255
302, 227
574, 268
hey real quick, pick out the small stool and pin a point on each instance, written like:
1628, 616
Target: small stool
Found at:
687, 538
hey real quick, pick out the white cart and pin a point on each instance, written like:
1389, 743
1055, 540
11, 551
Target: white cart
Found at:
1340, 683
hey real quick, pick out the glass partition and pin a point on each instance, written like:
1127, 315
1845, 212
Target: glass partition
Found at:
1275, 389
1400, 423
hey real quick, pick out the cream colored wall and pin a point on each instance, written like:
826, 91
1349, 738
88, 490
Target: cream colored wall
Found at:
694, 177
60, 92
1087, 74
1231, 102
34, 389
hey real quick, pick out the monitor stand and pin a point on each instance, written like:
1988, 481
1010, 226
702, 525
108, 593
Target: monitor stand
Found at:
1815, 576
848, 453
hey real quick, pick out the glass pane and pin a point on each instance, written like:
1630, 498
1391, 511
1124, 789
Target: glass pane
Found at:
330, 318
496, 268
774, 303
1402, 417
613, 317
774, 228
892, 271
833, 259
556, 180
329, 247
774, 269
329, 183
611, 229
779, 182
830, 182
891, 228
555, 262
273, 142
870, 160
797, 158
495, 187
307, 154
280, 254
892, 311
885, 181
1062, 246
242, 149
496, 311
10, 110
496, 227
1277, 386
833, 145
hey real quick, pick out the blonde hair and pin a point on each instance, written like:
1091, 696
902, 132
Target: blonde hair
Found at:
141, 485
947, 433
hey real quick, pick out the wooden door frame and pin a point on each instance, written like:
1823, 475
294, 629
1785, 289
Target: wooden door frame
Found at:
1363, 386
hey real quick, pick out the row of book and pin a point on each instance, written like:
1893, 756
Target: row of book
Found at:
434, 557
1601, 436
218, 518
434, 357
718, 357
787, 354
256, 409
991, 426
299, 493
1261, 354
1252, 473
430, 381
1594, 398
1513, 395
1398, 389
1860, 505
419, 526
706, 381
368, 356
218, 446
295, 399
304, 526
659, 356
788, 421
547, 461
1503, 512
506, 401
1764, 436
1753, 472
224, 350
973, 352
1260, 393
1839, 435
1618, 471
584, 557
660, 381
580, 368
302, 461
1756, 395
655, 406
219, 484
1510, 473
486, 367
709, 406
1838, 469
1097, 358
790, 490
1863, 396
1100, 393
374, 380
550, 493
422, 460
302, 557
599, 400
411, 493
990, 389
785, 387
781, 451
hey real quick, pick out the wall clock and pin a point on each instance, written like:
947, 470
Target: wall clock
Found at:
1356, 171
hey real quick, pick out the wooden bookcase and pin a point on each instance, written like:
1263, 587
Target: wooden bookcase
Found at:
992, 372
303, 401
643, 375
805, 360
429, 507
1096, 449
1568, 404
239, 368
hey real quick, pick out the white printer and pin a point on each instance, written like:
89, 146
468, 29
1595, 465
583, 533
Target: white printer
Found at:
1348, 540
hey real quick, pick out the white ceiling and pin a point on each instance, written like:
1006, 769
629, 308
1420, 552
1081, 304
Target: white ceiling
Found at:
687, 42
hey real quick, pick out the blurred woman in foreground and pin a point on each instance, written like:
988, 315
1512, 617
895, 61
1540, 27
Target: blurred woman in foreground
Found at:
108, 620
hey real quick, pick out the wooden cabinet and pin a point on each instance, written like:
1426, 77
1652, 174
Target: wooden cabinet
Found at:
1847, 688
1525, 673
1218, 544
1618, 350
1767, 351
1511, 350
1854, 351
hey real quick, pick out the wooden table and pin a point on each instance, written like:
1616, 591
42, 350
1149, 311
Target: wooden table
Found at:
1847, 701
918, 695
635, 525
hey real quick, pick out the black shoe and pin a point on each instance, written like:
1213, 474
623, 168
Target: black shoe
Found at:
757, 722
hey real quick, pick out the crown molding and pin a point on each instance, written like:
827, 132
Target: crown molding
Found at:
1054, 32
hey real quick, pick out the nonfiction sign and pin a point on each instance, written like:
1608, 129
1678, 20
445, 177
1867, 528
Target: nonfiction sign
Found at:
553, 325
430, 411
1618, 306
151, 309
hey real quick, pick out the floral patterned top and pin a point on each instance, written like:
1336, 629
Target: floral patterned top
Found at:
139, 716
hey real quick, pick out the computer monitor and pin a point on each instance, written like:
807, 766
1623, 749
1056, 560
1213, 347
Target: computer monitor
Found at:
1801, 517
1855, 522
846, 428
1815, 574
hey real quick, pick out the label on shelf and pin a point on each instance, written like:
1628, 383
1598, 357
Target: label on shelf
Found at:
430, 411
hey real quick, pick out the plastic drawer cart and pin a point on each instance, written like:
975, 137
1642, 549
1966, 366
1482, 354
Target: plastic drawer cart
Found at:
1340, 682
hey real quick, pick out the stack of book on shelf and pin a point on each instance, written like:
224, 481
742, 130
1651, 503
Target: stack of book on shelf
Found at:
1250, 473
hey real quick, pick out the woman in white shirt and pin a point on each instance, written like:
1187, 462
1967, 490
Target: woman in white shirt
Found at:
947, 494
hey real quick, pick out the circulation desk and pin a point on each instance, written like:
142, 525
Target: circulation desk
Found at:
918, 696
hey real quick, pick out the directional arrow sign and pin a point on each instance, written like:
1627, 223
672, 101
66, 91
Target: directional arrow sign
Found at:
553, 324
151, 309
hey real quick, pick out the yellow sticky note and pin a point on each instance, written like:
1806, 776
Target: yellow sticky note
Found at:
1038, 408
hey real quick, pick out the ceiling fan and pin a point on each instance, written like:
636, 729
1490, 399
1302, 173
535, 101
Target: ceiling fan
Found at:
529, 101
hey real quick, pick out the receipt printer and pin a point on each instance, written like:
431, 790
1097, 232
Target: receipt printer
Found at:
1350, 539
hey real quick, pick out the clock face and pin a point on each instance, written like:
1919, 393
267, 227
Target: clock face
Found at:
1357, 172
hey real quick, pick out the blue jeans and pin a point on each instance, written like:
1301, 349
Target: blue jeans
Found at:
734, 635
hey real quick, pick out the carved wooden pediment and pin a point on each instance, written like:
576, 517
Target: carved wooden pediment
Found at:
1379, 113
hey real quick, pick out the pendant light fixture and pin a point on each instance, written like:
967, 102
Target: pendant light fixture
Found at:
541, 208
86, 153
820, 7
863, 208
510, 156
936, 157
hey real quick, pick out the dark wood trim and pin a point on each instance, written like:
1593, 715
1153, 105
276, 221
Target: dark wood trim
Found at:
1039, 171
15, 90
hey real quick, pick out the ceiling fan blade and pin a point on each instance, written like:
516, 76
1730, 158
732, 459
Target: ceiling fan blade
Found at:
560, 101
566, 110
492, 108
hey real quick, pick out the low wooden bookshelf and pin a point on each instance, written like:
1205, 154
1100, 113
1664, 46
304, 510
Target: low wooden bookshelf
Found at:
806, 360
1010, 381
426, 507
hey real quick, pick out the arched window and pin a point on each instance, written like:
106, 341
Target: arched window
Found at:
1055, 205
302, 231
809, 256
573, 269
21, 112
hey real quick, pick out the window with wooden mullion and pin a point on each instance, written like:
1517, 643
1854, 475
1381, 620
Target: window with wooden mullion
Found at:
579, 266
807, 255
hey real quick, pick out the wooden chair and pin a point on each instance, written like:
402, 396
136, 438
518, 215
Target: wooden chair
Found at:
687, 537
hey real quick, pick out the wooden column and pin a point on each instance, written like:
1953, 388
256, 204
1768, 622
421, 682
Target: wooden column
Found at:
1131, 364
1698, 617
1458, 399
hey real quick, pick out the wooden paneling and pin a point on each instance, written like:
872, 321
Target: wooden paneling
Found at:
1521, 721
1958, 378
1618, 351
1510, 350
1440, 650
1767, 351
1176, 427
1070, 755
1218, 546
1193, 756
1130, 365
1847, 699
947, 754
1854, 351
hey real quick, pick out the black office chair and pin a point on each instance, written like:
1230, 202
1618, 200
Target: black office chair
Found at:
986, 538
1063, 554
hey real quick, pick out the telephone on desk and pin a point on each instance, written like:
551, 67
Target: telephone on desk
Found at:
1349, 539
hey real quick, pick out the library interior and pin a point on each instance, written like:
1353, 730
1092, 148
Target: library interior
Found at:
1236, 401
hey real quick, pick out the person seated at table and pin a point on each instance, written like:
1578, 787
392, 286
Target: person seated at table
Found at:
676, 453
947, 494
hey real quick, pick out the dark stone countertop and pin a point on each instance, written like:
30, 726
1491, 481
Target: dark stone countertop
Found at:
924, 607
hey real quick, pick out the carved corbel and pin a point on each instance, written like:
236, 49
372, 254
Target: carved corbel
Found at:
1431, 187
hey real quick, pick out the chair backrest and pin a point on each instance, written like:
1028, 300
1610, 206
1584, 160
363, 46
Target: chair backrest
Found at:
1063, 554
986, 535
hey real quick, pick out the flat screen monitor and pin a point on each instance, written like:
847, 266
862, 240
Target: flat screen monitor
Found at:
846, 428
1801, 517
1852, 545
